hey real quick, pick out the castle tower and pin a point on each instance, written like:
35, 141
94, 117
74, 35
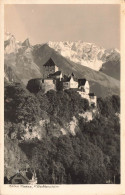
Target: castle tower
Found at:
49, 68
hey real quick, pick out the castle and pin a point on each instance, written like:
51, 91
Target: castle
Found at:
53, 78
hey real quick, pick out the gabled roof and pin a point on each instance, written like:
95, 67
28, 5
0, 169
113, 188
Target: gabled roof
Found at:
55, 73
66, 78
25, 177
50, 62
81, 81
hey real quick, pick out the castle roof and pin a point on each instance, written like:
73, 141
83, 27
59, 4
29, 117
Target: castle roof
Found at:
50, 62
57, 73
82, 82
22, 175
67, 78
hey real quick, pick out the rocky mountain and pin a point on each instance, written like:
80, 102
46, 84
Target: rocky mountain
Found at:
18, 58
26, 43
112, 65
10, 44
87, 54
24, 62
9, 74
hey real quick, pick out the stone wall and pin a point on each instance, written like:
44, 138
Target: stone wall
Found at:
48, 86
85, 88
70, 84
84, 95
49, 70
66, 85
73, 84
91, 99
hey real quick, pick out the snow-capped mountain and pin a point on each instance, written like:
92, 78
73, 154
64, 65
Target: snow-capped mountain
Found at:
87, 54
11, 45
18, 60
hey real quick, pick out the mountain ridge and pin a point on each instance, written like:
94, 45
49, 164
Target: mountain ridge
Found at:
87, 54
27, 62
84, 53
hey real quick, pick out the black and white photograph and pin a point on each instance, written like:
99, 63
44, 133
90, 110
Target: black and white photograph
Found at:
62, 113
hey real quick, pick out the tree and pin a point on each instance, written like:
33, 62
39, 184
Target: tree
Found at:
20, 104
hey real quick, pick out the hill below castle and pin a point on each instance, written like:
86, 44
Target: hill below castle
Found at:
53, 135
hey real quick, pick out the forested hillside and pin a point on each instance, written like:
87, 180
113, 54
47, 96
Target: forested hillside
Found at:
89, 155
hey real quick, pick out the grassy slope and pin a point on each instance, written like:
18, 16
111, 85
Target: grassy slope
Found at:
112, 68
112, 65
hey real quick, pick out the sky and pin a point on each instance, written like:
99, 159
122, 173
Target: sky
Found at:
41, 23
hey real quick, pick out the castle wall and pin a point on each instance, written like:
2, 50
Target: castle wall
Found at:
70, 84
66, 85
56, 68
48, 82
73, 84
49, 70
91, 99
46, 86
84, 95
57, 76
85, 88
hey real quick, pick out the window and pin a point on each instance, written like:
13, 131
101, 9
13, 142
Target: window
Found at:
93, 105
